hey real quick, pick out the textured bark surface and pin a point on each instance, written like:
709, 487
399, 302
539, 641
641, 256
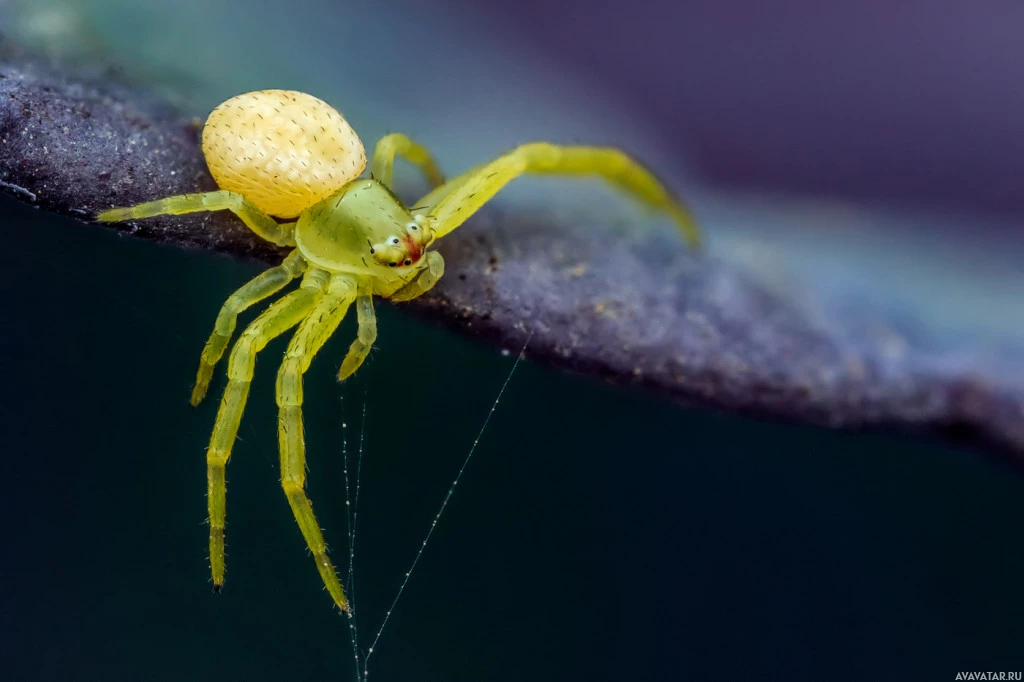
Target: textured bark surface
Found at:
639, 312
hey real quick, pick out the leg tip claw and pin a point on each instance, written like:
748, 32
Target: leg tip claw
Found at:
198, 393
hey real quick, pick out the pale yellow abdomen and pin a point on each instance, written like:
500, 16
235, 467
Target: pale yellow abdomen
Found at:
282, 150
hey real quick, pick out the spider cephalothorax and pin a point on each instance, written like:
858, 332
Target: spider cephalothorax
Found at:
292, 156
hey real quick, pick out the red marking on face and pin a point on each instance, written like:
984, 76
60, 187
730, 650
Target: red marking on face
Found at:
415, 249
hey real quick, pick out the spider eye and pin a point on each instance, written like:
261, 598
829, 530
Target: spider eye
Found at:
372, 251
395, 240
408, 262
391, 265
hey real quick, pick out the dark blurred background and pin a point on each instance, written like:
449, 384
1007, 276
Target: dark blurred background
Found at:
599, 534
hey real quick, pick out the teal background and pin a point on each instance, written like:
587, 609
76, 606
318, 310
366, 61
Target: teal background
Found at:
598, 534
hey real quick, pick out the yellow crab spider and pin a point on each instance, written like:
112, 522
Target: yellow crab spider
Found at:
288, 154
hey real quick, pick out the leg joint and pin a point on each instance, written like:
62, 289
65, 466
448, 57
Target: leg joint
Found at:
293, 486
367, 333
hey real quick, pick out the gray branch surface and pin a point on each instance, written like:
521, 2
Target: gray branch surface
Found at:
648, 314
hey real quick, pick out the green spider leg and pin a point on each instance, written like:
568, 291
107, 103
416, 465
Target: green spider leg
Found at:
455, 201
311, 335
424, 281
440, 192
282, 234
277, 319
365, 336
266, 283
397, 144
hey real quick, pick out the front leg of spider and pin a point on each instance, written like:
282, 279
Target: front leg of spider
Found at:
459, 198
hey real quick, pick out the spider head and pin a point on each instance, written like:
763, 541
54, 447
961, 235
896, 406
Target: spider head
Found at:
406, 247
365, 228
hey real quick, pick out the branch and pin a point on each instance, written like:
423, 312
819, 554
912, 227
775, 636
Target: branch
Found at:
650, 314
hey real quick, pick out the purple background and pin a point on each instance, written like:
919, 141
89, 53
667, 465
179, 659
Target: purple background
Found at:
918, 100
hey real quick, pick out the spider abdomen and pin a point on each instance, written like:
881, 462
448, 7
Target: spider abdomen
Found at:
282, 150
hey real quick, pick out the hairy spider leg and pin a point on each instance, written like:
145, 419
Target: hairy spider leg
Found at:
277, 319
397, 144
468, 192
282, 234
311, 335
365, 336
424, 281
266, 283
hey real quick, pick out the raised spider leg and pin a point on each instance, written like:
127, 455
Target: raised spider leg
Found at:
440, 192
365, 336
308, 339
397, 144
468, 192
257, 289
282, 234
424, 281
277, 319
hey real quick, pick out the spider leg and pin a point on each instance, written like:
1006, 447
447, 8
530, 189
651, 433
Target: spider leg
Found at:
424, 281
365, 337
440, 192
308, 339
458, 199
277, 319
257, 289
282, 234
397, 144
